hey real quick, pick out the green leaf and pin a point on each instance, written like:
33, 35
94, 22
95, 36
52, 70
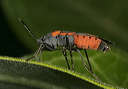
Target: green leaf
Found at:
110, 67
17, 73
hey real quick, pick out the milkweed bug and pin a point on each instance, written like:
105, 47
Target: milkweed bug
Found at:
70, 41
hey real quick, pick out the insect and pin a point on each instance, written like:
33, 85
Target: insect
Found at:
70, 41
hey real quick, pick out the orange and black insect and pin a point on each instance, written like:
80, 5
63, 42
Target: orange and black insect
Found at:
71, 41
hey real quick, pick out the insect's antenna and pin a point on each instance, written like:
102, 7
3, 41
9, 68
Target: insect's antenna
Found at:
27, 28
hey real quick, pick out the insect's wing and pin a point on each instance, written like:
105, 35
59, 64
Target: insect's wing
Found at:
107, 41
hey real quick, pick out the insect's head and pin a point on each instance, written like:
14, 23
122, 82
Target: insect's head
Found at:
41, 40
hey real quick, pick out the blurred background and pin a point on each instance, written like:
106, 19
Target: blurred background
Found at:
108, 19
104, 18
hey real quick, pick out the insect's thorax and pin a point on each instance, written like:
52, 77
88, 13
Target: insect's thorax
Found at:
52, 43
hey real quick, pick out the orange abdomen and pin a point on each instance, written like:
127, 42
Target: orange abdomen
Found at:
87, 42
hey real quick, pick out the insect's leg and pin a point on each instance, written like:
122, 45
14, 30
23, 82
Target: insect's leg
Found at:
88, 60
35, 54
70, 51
86, 65
90, 65
65, 55
40, 56
72, 63
82, 59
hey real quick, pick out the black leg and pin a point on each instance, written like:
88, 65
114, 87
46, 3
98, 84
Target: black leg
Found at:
70, 51
82, 59
88, 68
72, 63
40, 56
65, 55
36, 53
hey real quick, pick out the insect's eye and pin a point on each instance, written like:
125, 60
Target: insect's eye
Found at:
43, 38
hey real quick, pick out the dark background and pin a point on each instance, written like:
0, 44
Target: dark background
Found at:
10, 45
108, 19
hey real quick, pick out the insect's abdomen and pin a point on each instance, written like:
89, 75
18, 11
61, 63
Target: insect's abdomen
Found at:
90, 42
